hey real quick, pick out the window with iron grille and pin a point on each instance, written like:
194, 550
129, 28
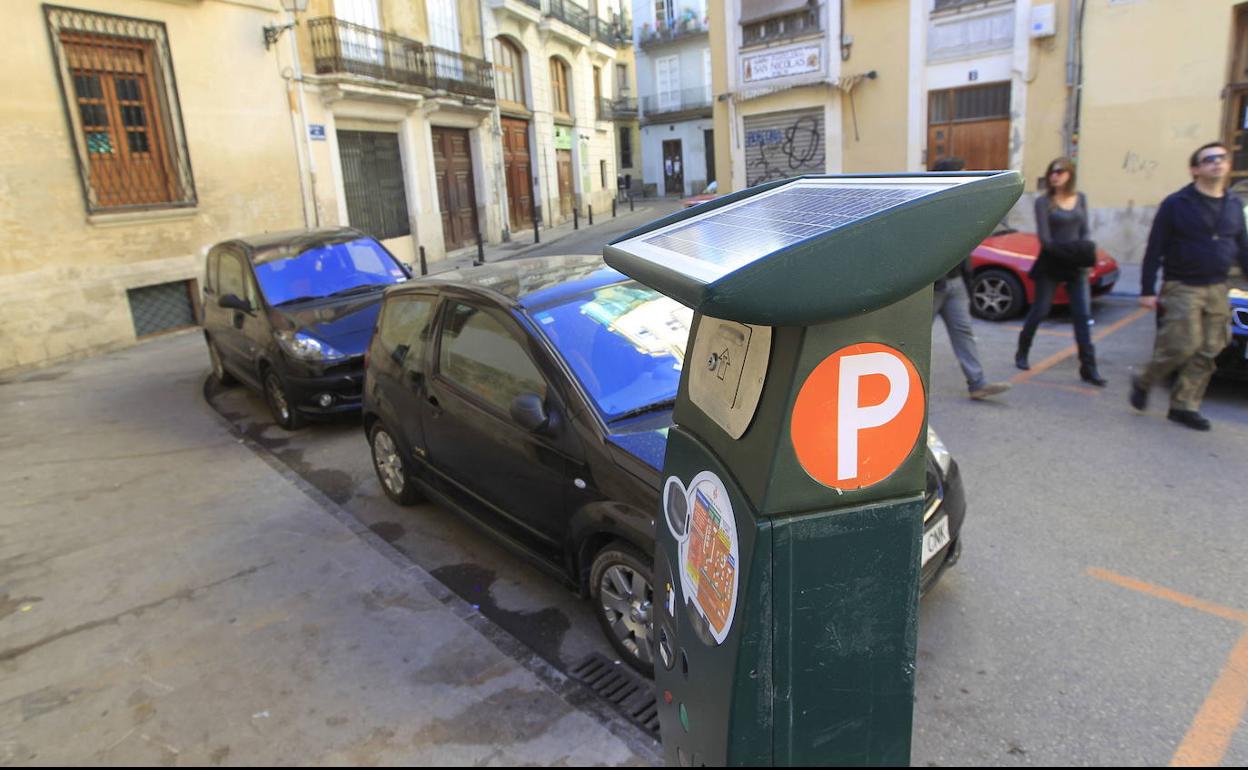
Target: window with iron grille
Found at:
372, 178
121, 103
626, 147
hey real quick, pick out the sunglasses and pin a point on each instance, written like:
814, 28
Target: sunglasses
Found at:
1059, 171
1209, 160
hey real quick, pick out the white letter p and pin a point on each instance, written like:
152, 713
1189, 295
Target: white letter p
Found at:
851, 418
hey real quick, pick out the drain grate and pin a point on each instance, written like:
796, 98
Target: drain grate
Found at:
631, 695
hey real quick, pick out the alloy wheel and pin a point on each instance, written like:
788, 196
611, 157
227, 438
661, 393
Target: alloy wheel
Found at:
627, 602
389, 464
993, 297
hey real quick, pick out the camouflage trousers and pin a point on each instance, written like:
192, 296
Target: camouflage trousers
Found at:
1194, 327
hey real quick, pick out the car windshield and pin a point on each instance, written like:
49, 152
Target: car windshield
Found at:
624, 342
327, 270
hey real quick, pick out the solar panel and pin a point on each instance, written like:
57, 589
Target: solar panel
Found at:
718, 242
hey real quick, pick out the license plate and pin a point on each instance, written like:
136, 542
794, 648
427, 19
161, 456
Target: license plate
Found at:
1107, 279
935, 539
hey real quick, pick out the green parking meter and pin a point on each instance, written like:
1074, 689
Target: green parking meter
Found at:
788, 544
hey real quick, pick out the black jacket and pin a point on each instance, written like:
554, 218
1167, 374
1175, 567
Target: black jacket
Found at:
1188, 247
1064, 261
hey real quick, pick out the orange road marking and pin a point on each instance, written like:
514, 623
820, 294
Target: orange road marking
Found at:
1239, 616
1212, 730
1067, 352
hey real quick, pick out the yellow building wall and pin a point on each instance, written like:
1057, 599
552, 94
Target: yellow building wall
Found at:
881, 43
1153, 75
64, 273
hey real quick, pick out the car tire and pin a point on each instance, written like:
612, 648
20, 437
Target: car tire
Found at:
219, 373
391, 468
278, 399
997, 295
621, 584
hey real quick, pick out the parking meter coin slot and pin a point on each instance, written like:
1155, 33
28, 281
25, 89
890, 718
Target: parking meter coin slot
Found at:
729, 366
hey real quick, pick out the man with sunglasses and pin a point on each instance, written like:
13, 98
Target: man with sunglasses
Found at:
1197, 233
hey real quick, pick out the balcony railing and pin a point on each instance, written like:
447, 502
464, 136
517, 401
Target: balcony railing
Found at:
676, 101
342, 47
668, 31
616, 109
570, 13
533, 3
617, 33
804, 22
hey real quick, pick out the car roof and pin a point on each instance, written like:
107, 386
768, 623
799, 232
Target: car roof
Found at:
531, 283
295, 240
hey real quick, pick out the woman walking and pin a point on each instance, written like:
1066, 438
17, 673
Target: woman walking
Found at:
1066, 254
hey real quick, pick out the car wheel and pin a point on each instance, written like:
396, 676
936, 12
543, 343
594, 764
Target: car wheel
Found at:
997, 295
392, 472
622, 589
219, 373
278, 398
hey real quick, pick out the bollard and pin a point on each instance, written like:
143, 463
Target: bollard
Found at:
613, 202
630, 202
591, 215
424, 266
480, 260
576, 219
537, 220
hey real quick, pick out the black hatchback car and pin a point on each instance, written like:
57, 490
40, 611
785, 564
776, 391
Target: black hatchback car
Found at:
536, 396
291, 313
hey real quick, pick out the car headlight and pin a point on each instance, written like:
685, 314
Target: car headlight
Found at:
940, 453
307, 347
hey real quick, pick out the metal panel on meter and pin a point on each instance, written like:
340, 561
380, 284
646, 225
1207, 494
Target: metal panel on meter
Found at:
729, 367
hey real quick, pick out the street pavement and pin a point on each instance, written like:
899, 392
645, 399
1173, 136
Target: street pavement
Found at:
170, 593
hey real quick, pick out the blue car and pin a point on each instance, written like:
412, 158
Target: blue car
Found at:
1234, 360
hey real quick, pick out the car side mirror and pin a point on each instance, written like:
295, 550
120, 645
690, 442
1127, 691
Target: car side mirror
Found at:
232, 302
529, 412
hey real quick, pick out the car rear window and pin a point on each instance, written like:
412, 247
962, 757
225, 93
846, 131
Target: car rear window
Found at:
624, 342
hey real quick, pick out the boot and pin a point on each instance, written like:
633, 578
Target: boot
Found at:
1087, 367
1024, 347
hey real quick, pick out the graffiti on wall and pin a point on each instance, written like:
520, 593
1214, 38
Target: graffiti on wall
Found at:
782, 149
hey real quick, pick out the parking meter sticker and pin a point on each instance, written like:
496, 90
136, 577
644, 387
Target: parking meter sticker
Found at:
858, 416
702, 522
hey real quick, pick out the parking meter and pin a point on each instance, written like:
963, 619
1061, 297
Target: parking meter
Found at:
788, 545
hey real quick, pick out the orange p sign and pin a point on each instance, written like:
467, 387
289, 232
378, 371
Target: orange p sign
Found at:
858, 416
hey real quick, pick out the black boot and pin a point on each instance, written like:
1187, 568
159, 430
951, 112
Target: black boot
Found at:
1087, 367
1024, 347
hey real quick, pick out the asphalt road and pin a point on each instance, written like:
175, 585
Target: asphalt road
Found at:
1098, 616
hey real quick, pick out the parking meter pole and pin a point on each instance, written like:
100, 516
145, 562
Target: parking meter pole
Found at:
788, 545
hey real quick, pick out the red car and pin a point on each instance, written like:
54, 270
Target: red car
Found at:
1000, 286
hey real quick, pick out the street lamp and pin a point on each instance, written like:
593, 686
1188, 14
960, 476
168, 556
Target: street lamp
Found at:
272, 32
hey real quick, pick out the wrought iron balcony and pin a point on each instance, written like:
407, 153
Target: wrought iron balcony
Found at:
686, 100
340, 47
671, 30
617, 33
571, 14
617, 109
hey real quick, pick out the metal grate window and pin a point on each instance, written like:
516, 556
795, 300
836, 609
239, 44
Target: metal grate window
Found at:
985, 102
372, 176
161, 307
121, 104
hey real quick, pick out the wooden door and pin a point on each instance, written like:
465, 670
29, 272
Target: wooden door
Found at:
563, 159
673, 168
452, 163
971, 123
516, 172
